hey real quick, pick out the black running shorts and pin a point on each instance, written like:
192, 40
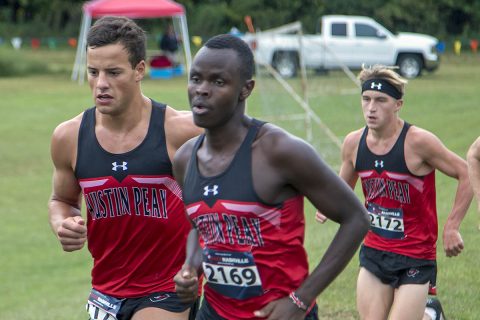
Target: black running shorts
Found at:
164, 300
206, 312
396, 269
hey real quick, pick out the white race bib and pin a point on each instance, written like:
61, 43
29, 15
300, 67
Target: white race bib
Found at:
233, 274
103, 307
386, 222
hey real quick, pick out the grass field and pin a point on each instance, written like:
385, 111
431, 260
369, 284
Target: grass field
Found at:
39, 281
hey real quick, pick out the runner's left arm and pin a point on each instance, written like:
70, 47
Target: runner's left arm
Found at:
303, 169
434, 152
473, 160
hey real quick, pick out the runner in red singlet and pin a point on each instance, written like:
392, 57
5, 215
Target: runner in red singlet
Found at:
244, 183
396, 164
118, 154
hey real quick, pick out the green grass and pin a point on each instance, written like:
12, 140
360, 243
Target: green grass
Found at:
39, 281
29, 61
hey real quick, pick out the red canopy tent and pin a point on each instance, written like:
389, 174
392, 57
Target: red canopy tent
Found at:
133, 9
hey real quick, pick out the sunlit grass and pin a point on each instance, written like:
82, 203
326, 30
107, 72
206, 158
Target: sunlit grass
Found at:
39, 281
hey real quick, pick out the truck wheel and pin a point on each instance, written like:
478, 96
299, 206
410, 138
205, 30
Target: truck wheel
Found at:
285, 63
410, 65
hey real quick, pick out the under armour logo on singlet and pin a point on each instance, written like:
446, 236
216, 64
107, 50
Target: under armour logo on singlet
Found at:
213, 190
378, 163
115, 166
376, 85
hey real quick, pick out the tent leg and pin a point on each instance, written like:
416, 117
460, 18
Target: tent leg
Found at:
186, 43
78, 72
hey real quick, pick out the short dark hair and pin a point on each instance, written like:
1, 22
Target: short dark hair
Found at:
228, 41
111, 29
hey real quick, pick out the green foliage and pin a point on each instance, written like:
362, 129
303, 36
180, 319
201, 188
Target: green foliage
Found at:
444, 19
208, 17
41, 18
204, 15
394, 18
439, 18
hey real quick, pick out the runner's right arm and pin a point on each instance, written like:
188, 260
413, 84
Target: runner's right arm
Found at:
347, 169
186, 280
65, 202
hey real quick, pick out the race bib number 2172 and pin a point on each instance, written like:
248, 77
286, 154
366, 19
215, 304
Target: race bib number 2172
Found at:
386, 222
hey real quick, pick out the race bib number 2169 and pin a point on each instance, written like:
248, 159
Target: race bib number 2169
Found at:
233, 274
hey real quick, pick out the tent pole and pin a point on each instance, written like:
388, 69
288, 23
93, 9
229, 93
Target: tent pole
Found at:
186, 44
81, 46
83, 53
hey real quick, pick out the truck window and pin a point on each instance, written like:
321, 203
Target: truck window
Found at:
339, 29
365, 30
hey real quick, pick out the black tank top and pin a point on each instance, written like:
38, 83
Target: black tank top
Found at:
136, 222
93, 161
224, 186
392, 161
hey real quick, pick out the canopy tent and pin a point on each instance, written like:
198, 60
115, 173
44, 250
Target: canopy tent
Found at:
133, 9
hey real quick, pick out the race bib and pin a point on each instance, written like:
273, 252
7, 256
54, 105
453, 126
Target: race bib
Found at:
232, 274
101, 306
386, 222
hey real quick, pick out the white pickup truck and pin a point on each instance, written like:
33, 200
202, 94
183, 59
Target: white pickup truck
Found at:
346, 41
